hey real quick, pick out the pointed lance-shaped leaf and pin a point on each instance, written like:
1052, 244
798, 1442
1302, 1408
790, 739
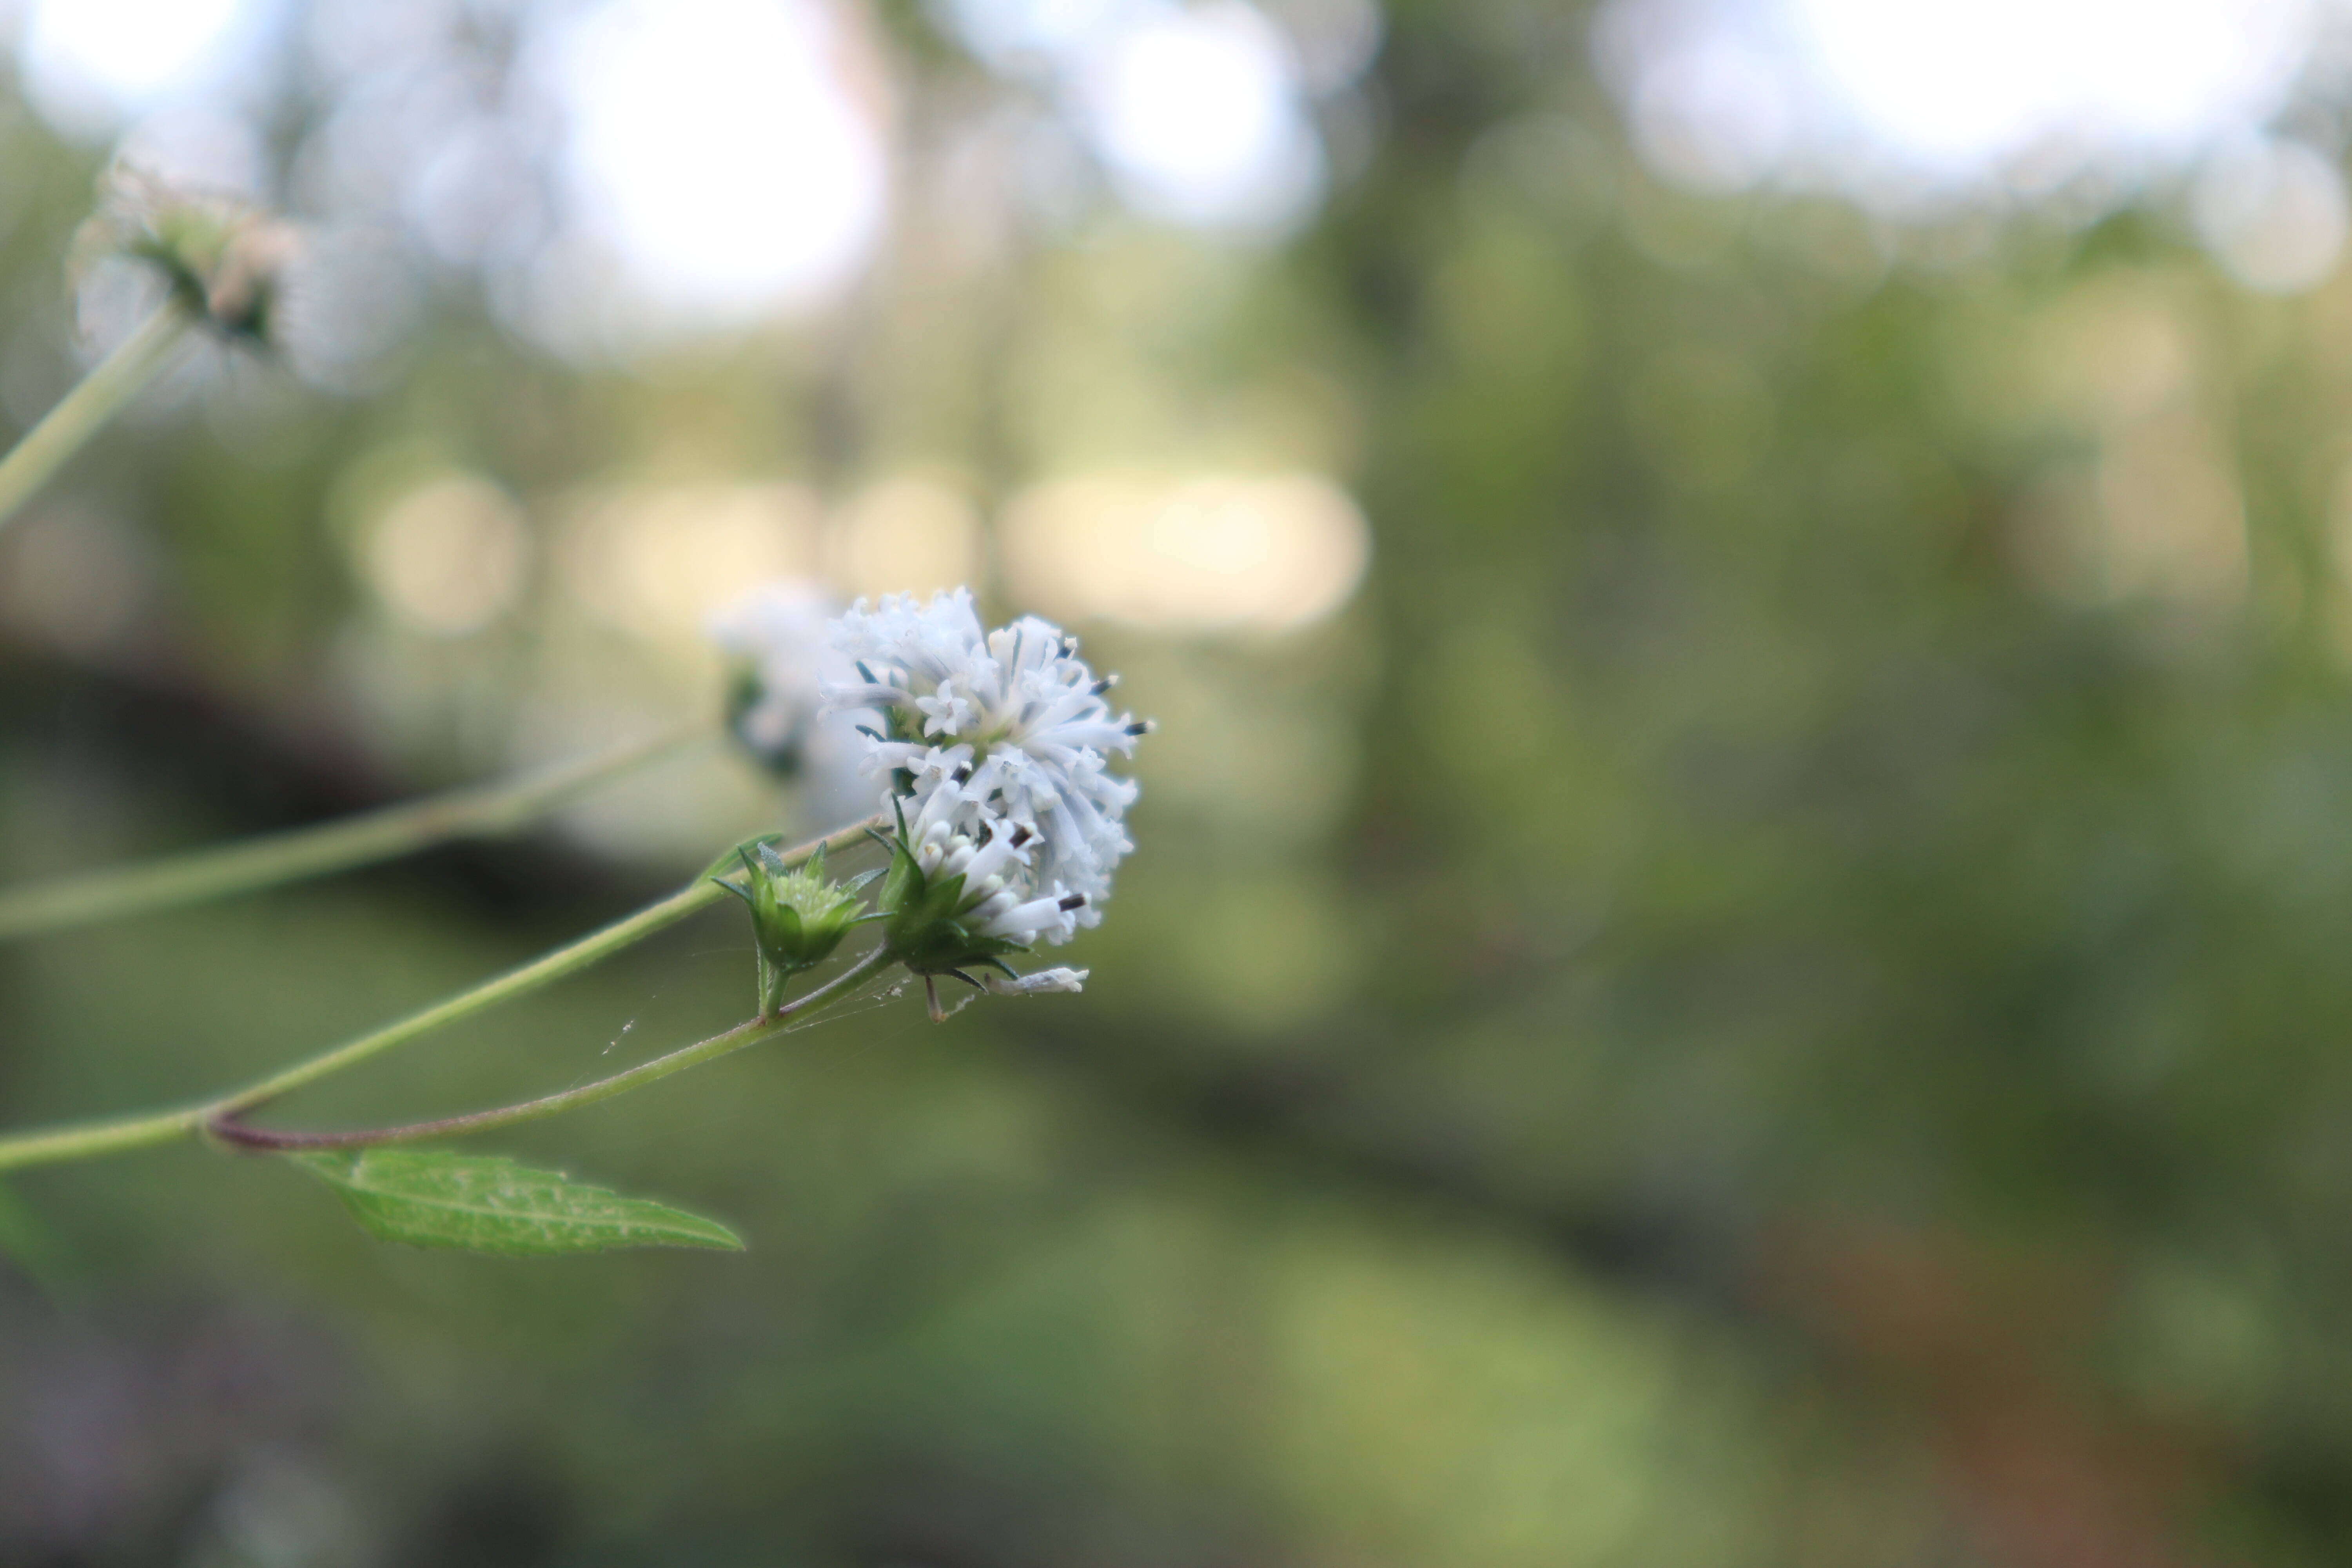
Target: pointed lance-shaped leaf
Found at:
476, 1203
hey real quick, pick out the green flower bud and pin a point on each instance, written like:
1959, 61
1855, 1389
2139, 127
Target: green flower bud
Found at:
798, 917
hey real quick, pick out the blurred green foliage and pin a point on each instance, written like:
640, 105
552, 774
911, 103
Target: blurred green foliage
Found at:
1772, 991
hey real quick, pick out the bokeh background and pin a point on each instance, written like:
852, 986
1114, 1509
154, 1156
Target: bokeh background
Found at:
1738, 950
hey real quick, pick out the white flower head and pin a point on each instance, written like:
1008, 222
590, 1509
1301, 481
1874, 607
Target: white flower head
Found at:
994, 744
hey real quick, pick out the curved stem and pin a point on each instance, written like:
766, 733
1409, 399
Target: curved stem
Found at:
477, 811
83, 411
225, 1126
85, 1139
514, 983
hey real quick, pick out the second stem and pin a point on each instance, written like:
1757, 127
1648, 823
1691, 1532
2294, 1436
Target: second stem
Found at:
262, 1139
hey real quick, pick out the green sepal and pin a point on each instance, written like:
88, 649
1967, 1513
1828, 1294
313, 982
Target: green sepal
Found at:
903, 880
734, 852
474, 1203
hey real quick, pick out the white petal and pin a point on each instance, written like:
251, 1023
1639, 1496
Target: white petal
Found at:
1041, 983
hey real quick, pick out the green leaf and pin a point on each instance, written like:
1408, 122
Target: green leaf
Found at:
477, 1203
26, 1241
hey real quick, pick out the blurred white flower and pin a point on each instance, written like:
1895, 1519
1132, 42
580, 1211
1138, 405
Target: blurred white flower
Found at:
779, 636
222, 257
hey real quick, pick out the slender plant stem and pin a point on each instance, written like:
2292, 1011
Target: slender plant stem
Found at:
97, 398
86, 1139
515, 983
225, 1126
480, 811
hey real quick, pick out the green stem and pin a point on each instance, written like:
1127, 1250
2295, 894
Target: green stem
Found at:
106, 1137
89, 1139
478, 811
97, 398
229, 1130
